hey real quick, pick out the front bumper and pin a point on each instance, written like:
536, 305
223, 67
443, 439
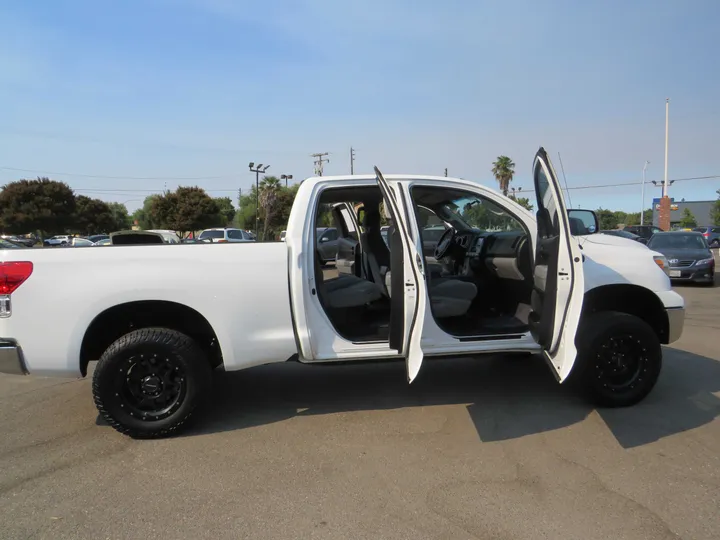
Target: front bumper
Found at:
11, 358
676, 322
704, 273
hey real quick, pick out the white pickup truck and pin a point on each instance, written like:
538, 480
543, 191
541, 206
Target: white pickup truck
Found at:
159, 319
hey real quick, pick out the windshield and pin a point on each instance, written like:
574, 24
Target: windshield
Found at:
677, 241
212, 234
471, 212
4, 244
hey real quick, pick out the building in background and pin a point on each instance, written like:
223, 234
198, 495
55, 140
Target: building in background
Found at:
700, 209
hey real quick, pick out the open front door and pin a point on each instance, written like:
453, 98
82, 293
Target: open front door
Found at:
408, 297
558, 275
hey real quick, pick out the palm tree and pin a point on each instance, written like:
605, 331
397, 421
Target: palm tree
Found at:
268, 194
504, 170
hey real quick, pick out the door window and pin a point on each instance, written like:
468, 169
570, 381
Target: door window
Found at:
235, 235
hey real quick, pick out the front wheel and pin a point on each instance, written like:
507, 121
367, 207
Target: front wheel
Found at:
149, 382
619, 359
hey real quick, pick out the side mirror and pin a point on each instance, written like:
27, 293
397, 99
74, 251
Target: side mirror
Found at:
642, 240
583, 222
324, 239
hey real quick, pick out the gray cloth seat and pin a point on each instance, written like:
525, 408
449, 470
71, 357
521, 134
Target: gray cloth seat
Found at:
349, 291
448, 297
344, 291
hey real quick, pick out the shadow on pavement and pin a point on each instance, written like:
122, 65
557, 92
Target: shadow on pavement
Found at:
506, 397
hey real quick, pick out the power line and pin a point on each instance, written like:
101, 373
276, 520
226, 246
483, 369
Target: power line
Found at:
80, 175
600, 186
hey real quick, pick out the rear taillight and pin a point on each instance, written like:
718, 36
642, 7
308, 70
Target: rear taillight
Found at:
706, 234
222, 241
13, 274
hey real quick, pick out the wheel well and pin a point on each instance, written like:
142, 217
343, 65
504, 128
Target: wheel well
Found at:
633, 300
119, 320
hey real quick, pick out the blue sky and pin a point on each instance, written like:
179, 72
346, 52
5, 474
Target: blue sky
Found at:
141, 90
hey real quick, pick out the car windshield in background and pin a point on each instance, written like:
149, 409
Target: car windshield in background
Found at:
6, 244
677, 241
212, 234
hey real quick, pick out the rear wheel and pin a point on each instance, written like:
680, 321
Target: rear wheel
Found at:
148, 383
619, 357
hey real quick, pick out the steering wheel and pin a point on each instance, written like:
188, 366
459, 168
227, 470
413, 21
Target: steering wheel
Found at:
443, 245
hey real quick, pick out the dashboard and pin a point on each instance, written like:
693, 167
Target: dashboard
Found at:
504, 255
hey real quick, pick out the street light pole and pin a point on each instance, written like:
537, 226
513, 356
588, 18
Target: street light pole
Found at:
257, 170
286, 177
667, 123
642, 206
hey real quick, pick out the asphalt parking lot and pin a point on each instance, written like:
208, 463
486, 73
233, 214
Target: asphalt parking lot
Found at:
475, 448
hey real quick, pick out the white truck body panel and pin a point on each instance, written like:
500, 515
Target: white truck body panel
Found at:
241, 289
256, 295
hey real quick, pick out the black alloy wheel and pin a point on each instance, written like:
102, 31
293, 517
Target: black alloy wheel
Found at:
148, 383
619, 359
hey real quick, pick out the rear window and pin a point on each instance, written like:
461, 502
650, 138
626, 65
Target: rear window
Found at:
213, 234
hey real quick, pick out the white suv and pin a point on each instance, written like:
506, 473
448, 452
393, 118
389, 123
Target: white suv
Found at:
226, 235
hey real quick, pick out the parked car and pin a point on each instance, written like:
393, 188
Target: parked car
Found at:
80, 242
688, 254
623, 233
169, 237
282, 235
327, 244
134, 238
711, 235
9, 244
643, 231
226, 235
22, 240
95, 238
59, 240
158, 321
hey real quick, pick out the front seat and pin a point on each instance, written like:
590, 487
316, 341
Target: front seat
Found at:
344, 291
377, 254
449, 297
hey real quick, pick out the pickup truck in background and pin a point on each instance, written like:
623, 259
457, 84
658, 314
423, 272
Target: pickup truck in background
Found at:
158, 319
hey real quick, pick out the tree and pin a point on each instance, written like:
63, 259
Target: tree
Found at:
144, 215
36, 205
524, 202
184, 210
504, 170
245, 216
92, 216
715, 211
269, 197
227, 210
688, 221
121, 219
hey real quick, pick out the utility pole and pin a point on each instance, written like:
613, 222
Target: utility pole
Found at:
352, 160
257, 170
642, 206
667, 123
319, 161
239, 196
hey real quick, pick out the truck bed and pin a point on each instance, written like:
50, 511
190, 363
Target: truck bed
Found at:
70, 287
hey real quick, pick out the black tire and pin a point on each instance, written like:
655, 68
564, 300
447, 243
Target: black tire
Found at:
619, 359
148, 383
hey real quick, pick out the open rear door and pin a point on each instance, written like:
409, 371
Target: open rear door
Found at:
408, 297
558, 274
